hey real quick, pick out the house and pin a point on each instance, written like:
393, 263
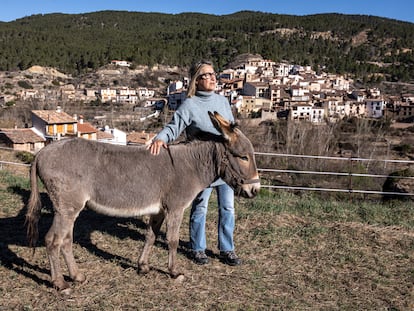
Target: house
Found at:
104, 136
68, 92
145, 93
299, 93
24, 139
86, 130
90, 93
175, 99
317, 114
374, 108
107, 95
283, 69
404, 110
407, 98
252, 104
257, 89
354, 109
126, 95
359, 95
121, 63
301, 111
112, 136
53, 124
335, 109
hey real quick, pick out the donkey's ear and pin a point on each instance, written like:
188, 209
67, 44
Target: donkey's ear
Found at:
225, 127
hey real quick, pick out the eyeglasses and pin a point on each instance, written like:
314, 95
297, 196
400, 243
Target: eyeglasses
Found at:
208, 75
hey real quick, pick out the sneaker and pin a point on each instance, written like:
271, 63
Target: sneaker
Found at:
200, 258
230, 258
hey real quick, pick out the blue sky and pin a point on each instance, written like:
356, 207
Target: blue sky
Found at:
395, 9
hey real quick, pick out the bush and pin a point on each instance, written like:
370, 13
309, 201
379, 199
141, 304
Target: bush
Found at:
25, 84
25, 157
404, 148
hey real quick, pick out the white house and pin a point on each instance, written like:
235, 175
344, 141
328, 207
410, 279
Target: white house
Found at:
282, 69
145, 93
301, 111
121, 63
126, 95
374, 108
107, 94
317, 114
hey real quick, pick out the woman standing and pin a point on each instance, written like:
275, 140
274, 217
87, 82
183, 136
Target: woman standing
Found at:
192, 116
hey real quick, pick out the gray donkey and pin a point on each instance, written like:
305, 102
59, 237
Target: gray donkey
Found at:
126, 181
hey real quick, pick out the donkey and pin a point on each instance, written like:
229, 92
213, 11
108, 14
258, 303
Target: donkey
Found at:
128, 181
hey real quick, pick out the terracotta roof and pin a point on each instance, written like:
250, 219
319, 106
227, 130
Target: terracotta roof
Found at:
53, 116
22, 136
104, 135
139, 137
86, 127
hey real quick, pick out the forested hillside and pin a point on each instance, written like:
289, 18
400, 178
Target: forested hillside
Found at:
370, 47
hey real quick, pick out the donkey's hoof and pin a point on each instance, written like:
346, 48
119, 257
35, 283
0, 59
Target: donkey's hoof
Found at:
61, 285
176, 275
179, 278
80, 278
143, 269
66, 291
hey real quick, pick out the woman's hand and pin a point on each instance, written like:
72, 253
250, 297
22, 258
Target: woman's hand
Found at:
155, 146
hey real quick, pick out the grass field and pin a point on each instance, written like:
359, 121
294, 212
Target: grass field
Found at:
299, 252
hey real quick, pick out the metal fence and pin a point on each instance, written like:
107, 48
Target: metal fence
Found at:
387, 168
348, 173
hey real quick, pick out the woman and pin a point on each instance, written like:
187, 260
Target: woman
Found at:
192, 116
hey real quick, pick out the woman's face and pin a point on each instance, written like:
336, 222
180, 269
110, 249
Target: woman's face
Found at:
206, 80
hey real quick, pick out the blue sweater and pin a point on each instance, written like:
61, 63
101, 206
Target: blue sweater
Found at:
192, 116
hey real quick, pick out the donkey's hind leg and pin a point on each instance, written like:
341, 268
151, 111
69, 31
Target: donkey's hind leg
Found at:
67, 251
54, 240
153, 229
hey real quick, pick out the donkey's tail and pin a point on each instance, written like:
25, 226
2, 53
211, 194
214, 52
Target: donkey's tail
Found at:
33, 208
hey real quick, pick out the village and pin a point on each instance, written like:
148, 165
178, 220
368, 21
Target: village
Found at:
256, 88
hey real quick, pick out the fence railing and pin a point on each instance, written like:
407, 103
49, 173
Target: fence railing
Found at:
349, 174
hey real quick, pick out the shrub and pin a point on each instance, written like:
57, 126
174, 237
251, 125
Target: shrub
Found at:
25, 157
25, 84
404, 148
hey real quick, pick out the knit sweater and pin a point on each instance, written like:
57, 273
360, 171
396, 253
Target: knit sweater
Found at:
192, 116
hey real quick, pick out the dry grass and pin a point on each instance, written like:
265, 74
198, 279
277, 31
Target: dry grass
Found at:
295, 258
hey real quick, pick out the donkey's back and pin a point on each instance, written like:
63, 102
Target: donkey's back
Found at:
114, 180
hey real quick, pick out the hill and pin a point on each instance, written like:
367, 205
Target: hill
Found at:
366, 46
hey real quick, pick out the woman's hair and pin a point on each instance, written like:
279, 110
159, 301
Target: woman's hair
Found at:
194, 74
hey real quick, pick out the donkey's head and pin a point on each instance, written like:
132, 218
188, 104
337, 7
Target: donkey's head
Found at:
238, 166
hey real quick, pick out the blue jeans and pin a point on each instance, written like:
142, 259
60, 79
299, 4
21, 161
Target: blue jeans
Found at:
225, 198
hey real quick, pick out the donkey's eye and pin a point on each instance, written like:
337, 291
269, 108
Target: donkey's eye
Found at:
240, 156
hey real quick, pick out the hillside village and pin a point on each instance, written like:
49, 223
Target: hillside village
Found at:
255, 88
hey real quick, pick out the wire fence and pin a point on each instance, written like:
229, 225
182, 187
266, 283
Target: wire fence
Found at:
281, 178
272, 178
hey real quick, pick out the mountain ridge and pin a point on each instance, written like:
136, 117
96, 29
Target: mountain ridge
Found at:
77, 43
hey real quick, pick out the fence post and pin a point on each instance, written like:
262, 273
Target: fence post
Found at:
350, 185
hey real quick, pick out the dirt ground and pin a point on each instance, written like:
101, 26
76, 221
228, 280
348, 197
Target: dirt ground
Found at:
290, 262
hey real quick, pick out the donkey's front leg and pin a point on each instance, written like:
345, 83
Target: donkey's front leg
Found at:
153, 229
174, 219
